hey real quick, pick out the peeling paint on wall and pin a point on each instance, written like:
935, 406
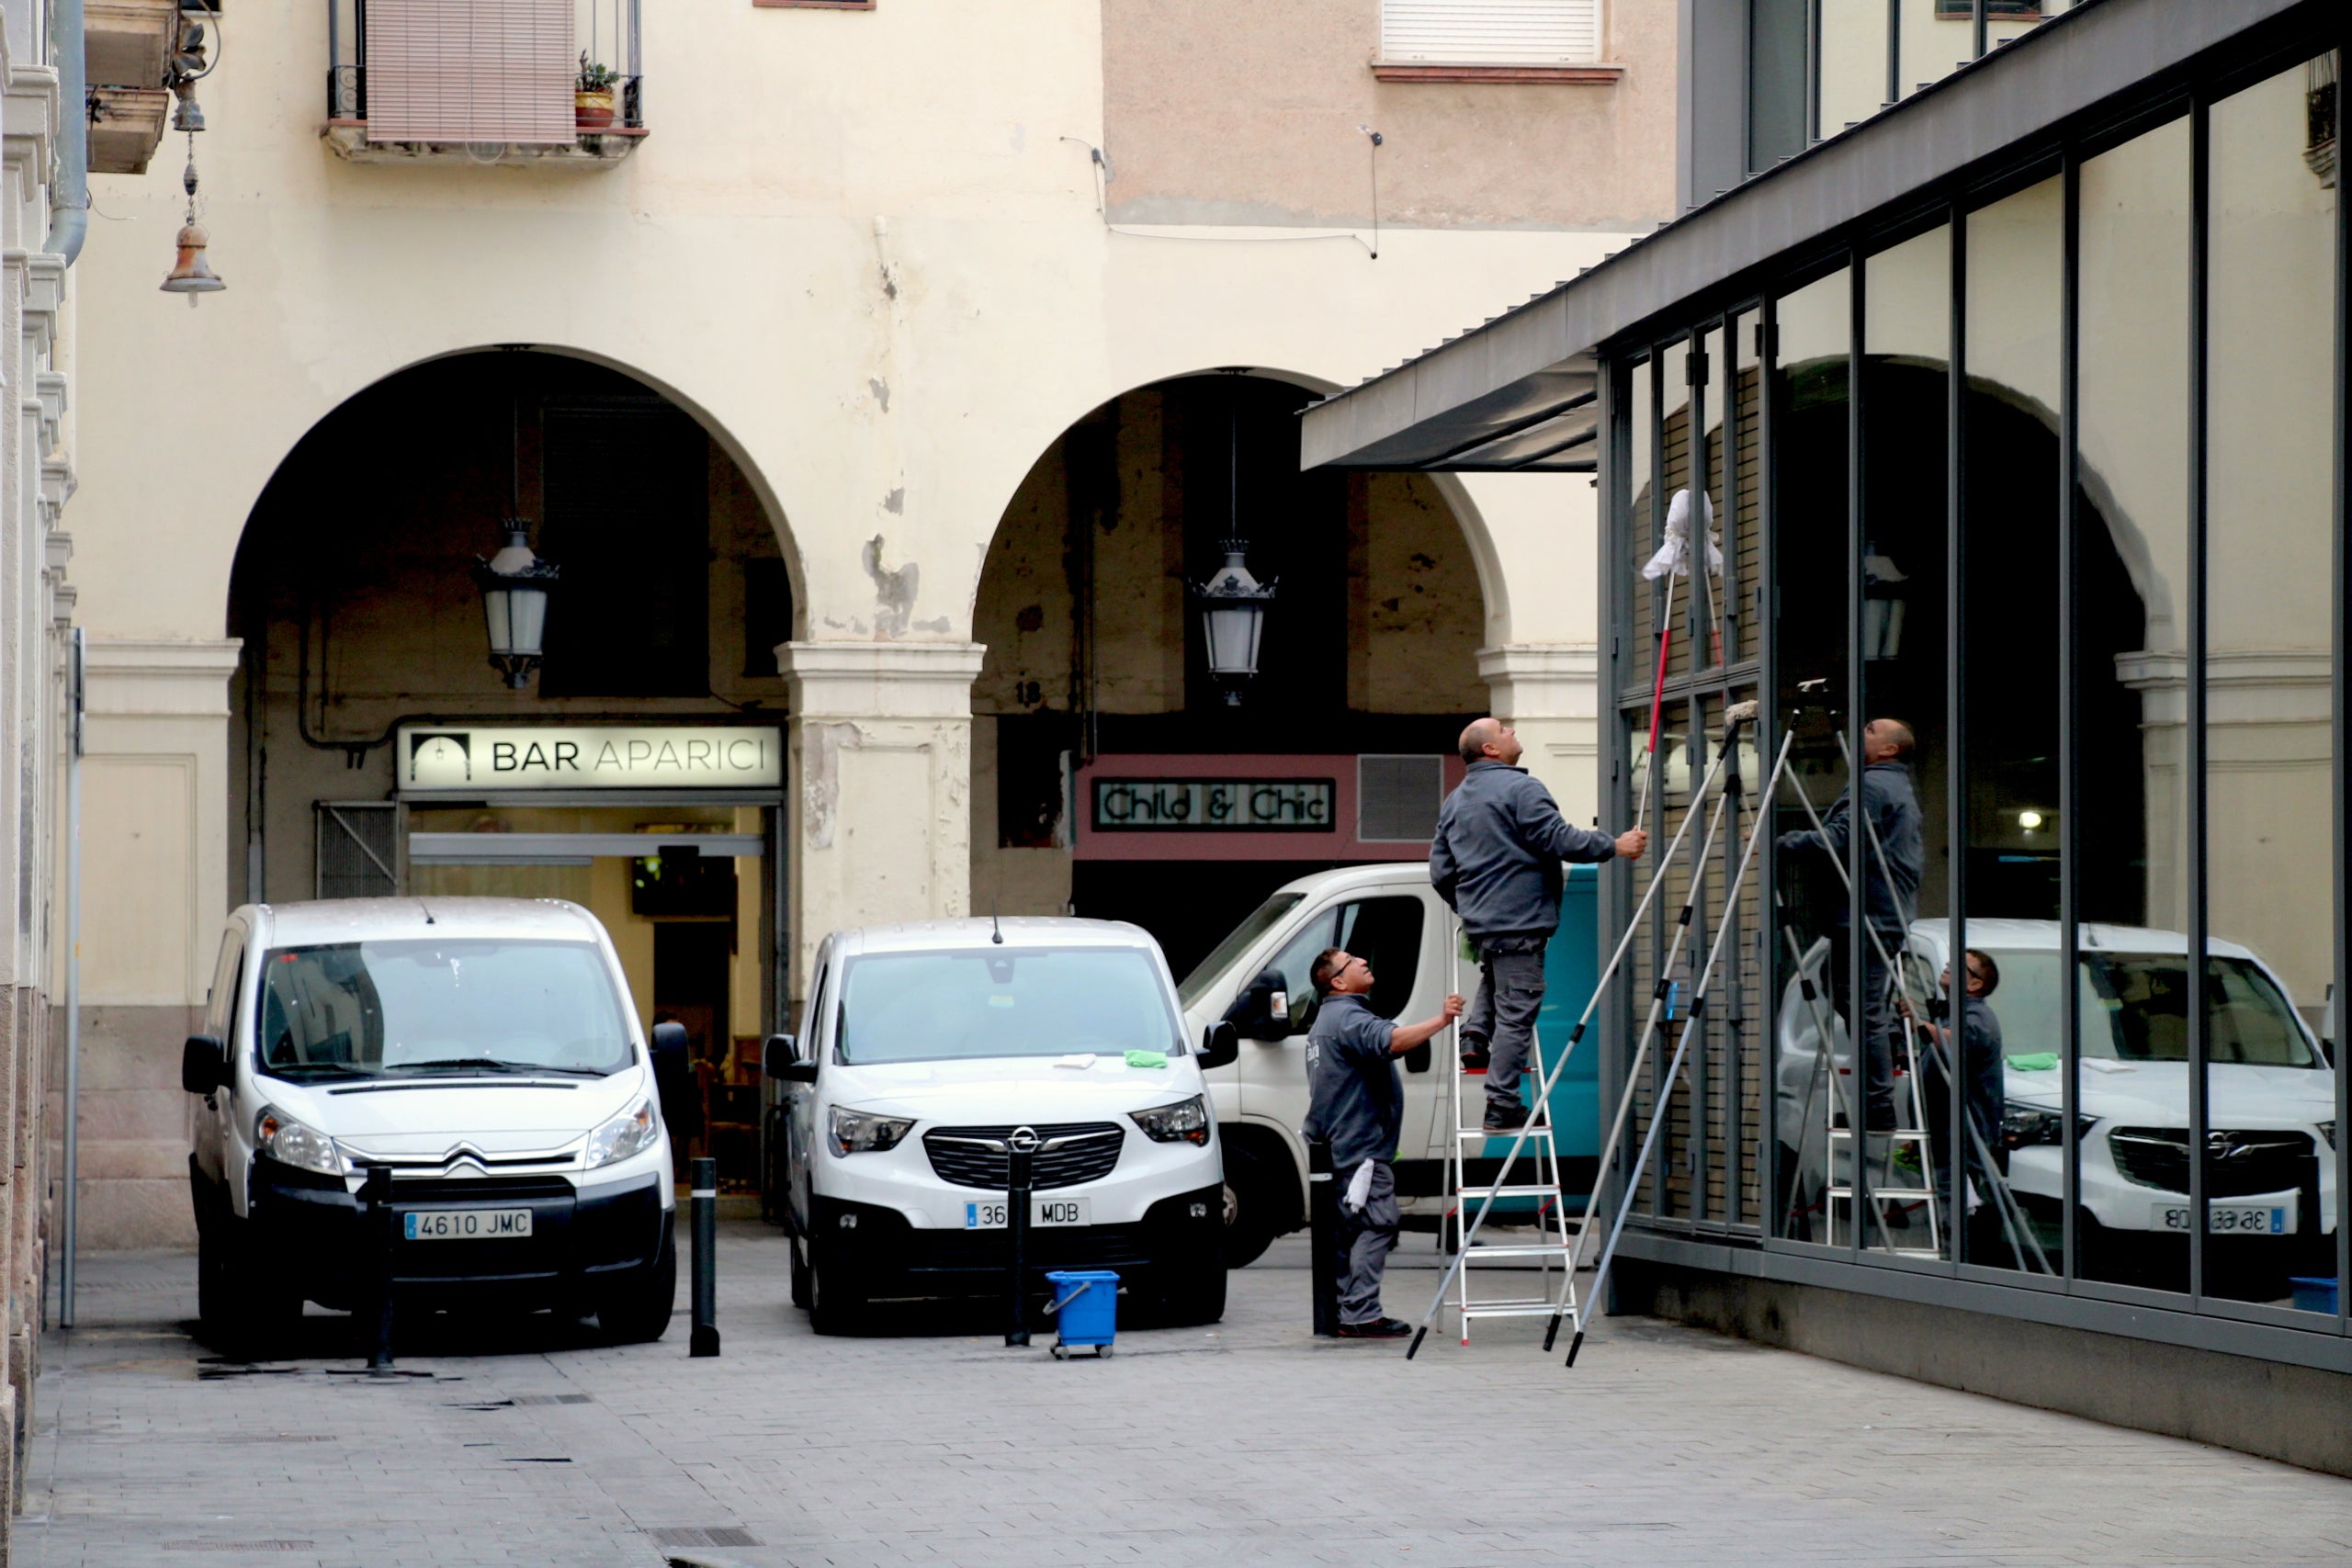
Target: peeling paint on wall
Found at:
874, 383
894, 591
821, 779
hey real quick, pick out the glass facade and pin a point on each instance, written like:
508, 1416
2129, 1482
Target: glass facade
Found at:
2025, 519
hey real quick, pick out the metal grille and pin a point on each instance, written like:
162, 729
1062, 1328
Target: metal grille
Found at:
1398, 797
2240, 1166
1067, 1154
359, 844
702, 1535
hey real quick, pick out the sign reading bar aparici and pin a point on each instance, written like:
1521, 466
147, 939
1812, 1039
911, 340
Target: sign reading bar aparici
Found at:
512, 756
1131, 805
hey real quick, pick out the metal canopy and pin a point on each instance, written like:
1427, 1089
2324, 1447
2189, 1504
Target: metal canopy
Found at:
1482, 401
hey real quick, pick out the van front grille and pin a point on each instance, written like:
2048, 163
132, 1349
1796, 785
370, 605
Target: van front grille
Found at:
2237, 1164
1068, 1153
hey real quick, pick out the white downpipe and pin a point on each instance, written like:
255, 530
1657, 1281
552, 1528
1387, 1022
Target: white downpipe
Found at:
68, 1208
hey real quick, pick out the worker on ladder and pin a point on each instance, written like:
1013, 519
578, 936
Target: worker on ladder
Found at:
1496, 861
1356, 1103
1890, 886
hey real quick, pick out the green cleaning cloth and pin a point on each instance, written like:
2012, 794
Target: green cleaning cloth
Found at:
1147, 1059
2039, 1062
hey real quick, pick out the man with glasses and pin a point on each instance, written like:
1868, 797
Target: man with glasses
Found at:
1356, 1103
1496, 861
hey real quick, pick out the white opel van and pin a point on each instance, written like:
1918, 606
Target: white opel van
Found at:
485, 1050
929, 1052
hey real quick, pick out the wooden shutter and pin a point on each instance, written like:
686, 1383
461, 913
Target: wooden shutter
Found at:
470, 70
1490, 32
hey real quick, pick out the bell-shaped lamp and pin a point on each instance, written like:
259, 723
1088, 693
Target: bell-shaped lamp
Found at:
515, 587
192, 275
1233, 619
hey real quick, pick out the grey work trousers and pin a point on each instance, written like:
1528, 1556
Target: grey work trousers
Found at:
1366, 1237
1502, 1019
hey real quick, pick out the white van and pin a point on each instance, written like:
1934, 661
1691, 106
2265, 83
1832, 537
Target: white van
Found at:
485, 1050
930, 1051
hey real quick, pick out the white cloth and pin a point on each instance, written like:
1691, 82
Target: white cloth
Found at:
1674, 554
1360, 1186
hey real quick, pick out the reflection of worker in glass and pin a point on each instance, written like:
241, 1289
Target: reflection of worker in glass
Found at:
1892, 858
1975, 1032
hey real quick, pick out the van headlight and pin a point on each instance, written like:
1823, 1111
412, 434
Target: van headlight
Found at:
1186, 1121
2327, 1130
863, 1132
629, 1132
2023, 1125
289, 1141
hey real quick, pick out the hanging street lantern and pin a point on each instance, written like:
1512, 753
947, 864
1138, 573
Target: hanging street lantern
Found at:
1233, 615
515, 586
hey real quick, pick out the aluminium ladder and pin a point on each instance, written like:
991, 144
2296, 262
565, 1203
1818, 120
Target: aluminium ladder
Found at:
1916, 1137
1547, 1260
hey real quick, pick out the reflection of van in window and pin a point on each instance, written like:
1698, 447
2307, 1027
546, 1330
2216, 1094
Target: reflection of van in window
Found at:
485, 1050
2271, 1099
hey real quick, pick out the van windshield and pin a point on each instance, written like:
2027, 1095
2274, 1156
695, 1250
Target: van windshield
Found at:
1003, 1001
1260, 922
428, 1005
2134, 1008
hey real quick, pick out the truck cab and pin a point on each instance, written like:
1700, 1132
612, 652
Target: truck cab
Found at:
1256, 979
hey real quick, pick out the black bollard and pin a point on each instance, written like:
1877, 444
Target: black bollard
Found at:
1020, 1147
705, 1338
379, 1226
1323, 1237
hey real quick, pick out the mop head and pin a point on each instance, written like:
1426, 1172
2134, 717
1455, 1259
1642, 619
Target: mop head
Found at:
1738, 715
1674, 554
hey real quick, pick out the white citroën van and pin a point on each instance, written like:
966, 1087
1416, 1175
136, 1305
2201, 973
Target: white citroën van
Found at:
486, 1051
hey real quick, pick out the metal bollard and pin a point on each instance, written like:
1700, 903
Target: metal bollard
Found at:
1323, 1235
705, 1338
1020, 1148
379, 1222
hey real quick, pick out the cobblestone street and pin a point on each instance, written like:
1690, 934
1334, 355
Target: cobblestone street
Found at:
523, 1441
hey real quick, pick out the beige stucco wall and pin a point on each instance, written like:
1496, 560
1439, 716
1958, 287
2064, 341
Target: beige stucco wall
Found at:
867, 250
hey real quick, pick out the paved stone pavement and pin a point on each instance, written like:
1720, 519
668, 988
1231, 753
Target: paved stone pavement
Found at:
523, 1441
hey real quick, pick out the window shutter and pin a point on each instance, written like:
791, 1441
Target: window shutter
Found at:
1490, 32
470, 70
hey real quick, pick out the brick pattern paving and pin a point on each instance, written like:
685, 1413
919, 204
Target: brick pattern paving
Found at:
522, 1441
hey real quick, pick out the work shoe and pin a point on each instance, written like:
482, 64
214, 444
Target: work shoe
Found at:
1474, 1060
1379, 1328
1505, 1120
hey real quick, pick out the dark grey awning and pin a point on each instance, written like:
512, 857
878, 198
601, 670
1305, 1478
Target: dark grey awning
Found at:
1507, 394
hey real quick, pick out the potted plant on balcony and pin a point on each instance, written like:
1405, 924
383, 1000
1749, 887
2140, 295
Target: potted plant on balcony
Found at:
592, 95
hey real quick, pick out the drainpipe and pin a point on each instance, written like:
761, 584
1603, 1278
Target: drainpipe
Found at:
68, 196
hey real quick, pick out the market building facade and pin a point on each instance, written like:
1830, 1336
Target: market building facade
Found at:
882, 385
2014, 414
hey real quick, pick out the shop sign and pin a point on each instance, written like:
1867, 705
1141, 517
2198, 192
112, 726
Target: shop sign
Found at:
1296, 806
445, 757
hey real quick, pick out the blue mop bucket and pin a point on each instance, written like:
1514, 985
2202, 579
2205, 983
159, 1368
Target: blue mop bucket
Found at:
1086, 1305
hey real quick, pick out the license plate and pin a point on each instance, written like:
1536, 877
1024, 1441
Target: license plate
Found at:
988, 1213
2231, 1219
465, 1225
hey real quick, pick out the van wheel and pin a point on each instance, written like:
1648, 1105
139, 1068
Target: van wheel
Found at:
1194, 1296
834, 1305
799, 1272
639, 1312
245, 1314
1248, 1206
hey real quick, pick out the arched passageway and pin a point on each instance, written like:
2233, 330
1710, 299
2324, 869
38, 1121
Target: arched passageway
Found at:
1096, 701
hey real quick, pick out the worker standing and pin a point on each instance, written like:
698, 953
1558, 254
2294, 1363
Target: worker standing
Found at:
1356, 1103
1496, 861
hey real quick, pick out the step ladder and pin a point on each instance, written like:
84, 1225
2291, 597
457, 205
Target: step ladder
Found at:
1916, 1137
1544, 1262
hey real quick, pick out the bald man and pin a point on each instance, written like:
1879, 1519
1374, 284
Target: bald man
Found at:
1495, 860
1893, 860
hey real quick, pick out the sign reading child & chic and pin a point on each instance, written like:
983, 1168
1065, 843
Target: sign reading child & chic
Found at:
460, 757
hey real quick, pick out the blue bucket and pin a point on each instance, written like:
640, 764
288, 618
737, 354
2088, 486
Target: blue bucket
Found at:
1086, 1300
2314, 1295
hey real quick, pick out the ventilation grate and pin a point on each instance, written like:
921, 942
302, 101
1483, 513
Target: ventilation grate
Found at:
1397, 798
703, 1534
240, 1546
554, 1399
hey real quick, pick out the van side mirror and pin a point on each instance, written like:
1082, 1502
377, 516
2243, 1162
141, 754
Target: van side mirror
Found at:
673, 1081
1220, 1046
204, 1064
1262, 1012
779, 1052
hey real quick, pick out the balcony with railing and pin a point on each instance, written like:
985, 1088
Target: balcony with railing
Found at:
553, 82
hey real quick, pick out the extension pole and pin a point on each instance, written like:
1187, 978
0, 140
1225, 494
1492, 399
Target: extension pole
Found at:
1736, 715
1690, 1022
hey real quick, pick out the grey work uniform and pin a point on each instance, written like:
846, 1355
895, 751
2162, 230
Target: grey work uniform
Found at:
1894, 860
1356, 1102
1496, 861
